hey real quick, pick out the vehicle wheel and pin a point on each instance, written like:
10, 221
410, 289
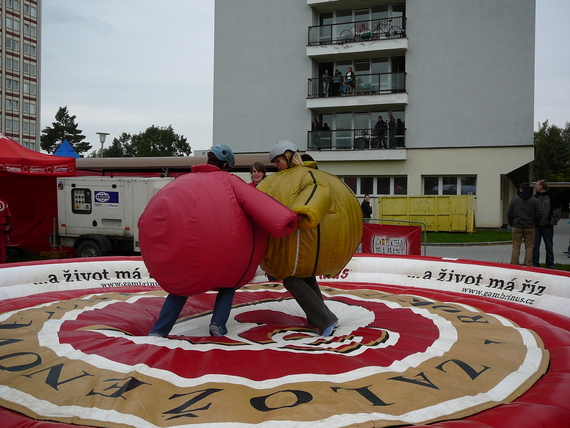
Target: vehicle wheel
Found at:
365, 34
89, 248
396, 32
345, 36
375, 143
360, 143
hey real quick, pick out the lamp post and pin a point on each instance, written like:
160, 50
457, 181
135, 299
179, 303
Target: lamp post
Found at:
102, 136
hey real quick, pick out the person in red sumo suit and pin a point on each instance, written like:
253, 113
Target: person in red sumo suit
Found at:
5, 228
208, 230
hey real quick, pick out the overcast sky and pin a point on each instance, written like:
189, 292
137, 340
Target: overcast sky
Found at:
123, 66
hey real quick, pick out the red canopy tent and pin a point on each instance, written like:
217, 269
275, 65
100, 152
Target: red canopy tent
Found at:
28, 185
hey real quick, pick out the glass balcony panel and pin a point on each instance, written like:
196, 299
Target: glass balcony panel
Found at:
366, 84
352, 139
347, 30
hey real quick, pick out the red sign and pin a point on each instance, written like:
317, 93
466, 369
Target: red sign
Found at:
390, 239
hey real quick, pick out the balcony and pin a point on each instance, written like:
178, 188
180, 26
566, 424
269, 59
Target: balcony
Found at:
365, 84
356, 139
357, 31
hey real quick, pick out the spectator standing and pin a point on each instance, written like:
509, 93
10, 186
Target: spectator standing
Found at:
349, 80
258, 173
380, 128
391, 130
523, 216
366, 208
336, 82
326, 79
316, 133
550, 209
5, 229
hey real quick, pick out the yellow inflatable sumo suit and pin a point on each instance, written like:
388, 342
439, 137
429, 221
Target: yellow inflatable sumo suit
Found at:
327, 236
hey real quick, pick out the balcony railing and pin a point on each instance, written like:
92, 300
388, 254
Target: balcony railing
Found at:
357, 139
358, 31
364, 84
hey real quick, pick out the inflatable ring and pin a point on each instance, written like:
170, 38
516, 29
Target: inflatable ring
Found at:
421, 340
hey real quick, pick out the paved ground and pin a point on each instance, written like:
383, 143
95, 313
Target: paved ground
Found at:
502, 253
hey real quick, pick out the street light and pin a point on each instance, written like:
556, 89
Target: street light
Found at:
102, 136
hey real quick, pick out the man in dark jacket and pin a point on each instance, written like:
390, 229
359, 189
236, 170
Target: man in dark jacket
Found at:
523, 216
550, 208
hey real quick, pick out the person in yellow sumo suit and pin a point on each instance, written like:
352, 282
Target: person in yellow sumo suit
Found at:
328, 232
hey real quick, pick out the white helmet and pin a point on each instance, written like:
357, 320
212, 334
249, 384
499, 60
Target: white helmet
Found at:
281, 147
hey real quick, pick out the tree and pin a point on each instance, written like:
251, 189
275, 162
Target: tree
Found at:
64, 128
154, 142
117, 147
552, 153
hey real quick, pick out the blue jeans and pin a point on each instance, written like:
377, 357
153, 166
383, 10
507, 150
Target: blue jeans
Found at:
174, 304
547, 234
392, 138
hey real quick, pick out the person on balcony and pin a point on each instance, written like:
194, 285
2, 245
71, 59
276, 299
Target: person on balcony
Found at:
380, 128
391, 131
336, 81
315, 133
349, 81
400, 133
326, 78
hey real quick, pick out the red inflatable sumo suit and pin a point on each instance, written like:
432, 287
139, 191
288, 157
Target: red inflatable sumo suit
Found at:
208, 230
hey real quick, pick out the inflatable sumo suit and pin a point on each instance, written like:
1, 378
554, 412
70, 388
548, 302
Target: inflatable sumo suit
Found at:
327, 237
208, 230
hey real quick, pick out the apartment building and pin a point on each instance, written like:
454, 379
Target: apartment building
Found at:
20, 49
457, 77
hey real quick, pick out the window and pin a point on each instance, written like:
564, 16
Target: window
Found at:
30, 30
29, 68
12, 64
12, 124
380, 186
29, 88
12, 24
450, 185
12, 104
30, 10
14, 4
12, 44
29, 108
14, 85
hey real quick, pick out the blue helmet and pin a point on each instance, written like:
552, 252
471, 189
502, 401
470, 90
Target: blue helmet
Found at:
224, 154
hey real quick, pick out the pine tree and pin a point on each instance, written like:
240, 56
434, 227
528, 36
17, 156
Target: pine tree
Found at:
64, 128
552, 153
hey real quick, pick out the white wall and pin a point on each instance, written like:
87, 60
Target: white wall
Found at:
260, 73
470, 73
